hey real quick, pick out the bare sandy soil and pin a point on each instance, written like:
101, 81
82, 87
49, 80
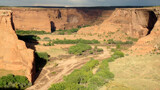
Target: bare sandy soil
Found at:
55, 70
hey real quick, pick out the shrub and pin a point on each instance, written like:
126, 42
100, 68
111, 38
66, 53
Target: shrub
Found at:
78, 76
90, 65
66, 41
99, 50
43, 55
66, 86
79, 48
91, 52
102, 76
111, 41
21, 32
46, 39
28, 38
118, 53
118, 46
132, 39
12, 81
49, 44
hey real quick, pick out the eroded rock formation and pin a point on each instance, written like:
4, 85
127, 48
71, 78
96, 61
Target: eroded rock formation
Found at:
51, 19
13, 52
133, 22
150, 43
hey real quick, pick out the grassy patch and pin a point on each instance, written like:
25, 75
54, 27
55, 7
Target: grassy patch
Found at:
21, 32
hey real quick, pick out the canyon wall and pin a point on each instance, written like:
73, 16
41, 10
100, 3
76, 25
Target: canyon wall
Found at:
150, 43
51, 19
14, 55
133, 22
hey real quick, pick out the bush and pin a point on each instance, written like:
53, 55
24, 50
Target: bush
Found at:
12, 81
111, 41
43, 55
21, 32
90, 65
28, 38
99, 50
79, 49
46, 39
132, 39
91, 52
66, 86
49, 44
66, 41
102, 76
78, 77
118, 54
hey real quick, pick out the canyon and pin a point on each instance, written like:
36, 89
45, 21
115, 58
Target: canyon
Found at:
102, 24
51, 19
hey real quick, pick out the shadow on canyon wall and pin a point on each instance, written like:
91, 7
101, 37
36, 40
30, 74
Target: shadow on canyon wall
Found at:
39, 63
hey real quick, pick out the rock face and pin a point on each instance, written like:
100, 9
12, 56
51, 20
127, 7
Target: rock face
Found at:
149, 43
13, 52
31, 20
51, 19
133, 22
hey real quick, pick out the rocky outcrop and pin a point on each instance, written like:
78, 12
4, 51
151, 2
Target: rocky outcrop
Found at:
14, 55
51, 19
150, 43
133, 22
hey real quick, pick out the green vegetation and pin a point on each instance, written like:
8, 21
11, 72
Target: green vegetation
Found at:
102, 76
78, 77
132, 39
43, 55
21, 32
67, 41
14, 82
41, 58
28, 38
117, 54
70, 31
49, 44
111, 41
46, 39
79, 48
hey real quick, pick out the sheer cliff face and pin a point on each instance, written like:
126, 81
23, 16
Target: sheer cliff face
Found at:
51, 19
14, 55
133, 22
149, 43
31, 20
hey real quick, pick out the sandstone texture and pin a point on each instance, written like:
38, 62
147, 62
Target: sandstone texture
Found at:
150, 43
13, 52
51, 19
132, 22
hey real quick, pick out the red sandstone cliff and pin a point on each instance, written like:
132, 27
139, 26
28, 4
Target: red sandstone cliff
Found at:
133, 22
50, 19
14, 55
150, 43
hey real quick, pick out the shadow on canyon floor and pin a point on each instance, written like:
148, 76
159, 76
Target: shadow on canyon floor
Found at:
31, 41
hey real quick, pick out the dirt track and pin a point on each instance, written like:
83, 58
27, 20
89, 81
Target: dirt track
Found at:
65, 67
